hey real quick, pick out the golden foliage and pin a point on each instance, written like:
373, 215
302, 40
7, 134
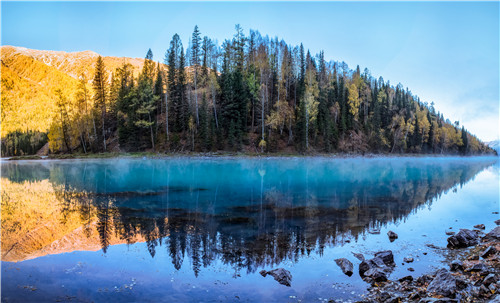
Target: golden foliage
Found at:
29, 79
32, 218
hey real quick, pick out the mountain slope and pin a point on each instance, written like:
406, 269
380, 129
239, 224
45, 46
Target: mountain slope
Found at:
30, 77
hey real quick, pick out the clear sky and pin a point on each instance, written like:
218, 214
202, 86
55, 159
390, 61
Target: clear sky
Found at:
446, 52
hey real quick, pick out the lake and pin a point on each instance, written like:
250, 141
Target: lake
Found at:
201, 229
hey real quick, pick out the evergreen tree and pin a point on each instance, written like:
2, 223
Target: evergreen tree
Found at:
100, 95
195, 62
146, 101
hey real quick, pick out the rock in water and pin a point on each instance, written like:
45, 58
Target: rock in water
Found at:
386, 256
408, 260
376, 268
360, 257
281, 275
345, 265
479, 226
464, 238
497, 222
370, 264
444, 284
376, 275
392, 235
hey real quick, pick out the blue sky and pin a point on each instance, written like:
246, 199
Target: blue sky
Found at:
446, 52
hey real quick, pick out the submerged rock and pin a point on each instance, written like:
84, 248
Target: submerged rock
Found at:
376, 269
360, 257
479, 226
464, 238
345, 265
376, 275
281, 275
449, 233
392, 235
444, 284
386, 256
370, 264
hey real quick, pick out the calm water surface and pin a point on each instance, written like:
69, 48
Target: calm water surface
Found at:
196, 229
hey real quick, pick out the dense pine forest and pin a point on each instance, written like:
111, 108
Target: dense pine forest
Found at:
252, 94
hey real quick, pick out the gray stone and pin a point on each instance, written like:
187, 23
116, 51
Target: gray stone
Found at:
281, 275
464, 238
376, 275
345, 265
449, 233
456, 265
369, 264
461, 284
386, 256
392, 235
360, 257
480, 268
491, 250
494, 234
444, 284
479, 226
491, 278
423, 279
407, 278
438, 300
408, 260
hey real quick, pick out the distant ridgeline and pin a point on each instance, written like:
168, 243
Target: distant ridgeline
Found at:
252, 94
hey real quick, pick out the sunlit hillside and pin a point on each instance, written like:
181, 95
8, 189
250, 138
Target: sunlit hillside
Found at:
31, 77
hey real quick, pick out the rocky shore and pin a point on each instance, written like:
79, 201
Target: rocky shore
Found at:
471, 277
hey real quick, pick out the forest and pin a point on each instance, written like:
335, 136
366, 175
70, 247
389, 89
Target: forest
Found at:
252, 94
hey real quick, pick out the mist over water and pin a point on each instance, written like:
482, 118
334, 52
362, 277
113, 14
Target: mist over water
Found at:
209, 225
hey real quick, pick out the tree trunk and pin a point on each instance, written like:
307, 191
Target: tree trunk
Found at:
151, 129
215, 107
196, 94
166, 115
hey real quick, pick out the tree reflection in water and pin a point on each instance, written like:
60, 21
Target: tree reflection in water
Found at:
277, 217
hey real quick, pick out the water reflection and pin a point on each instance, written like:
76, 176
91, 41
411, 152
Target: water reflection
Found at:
246, 213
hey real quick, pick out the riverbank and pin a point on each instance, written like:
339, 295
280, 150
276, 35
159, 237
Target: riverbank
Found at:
152, 155
473, 273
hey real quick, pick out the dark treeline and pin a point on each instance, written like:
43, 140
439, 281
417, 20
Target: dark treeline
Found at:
252, 94
20, 143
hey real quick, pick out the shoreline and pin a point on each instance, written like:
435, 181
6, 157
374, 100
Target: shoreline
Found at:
233, 155
472, 273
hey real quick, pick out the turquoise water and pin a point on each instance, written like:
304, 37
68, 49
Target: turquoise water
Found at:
208, 226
